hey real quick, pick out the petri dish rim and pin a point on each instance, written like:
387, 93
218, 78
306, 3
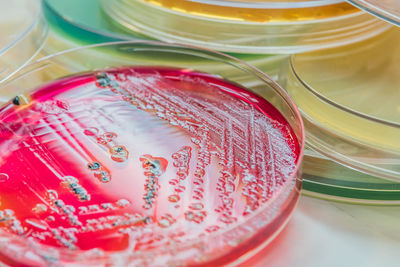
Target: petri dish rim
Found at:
341, 188
323, 146
23, 35
292, 185
376, 11
269, 4
37, 30
337, 105
238, 34
242, 22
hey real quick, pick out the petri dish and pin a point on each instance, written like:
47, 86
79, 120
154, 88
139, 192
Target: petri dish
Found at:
144, 164
348, 102
23, 32
76, 23
327, 179
388, 10
258, 27
85, 21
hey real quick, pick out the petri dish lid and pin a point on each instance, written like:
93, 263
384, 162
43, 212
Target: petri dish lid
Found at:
76, 23
327, 179
22, 34
268, 3
349, 101
260, 27
388, 10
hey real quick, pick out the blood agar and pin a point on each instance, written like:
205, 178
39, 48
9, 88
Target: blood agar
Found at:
137, 158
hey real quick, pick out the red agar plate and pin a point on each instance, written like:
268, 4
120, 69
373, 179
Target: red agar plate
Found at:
137, 159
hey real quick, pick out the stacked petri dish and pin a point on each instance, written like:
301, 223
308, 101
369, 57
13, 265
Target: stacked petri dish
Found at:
76, 23
22, 34
349, 101
168, 164
260, 27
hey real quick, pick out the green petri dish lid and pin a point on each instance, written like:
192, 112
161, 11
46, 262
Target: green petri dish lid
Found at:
84, 20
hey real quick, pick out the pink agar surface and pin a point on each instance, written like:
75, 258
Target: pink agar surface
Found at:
138, 158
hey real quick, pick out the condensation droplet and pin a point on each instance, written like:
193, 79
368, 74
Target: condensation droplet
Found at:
196, 206
147, 206
164, 223
94, 166
39, 208
174, 198
103, 176
50, 219
166, 220
180, 189
156, 166
106, 138
212, 228
53, 107
122, 203
42, 225
91, 131
195, 216
51, 195
119, 153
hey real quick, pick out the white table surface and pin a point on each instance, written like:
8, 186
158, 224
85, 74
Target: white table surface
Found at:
325, 233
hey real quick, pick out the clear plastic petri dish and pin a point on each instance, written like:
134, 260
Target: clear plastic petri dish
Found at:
260, 27
22, 34
327, 179
388, 10
127, 162
76, 23
348, 100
